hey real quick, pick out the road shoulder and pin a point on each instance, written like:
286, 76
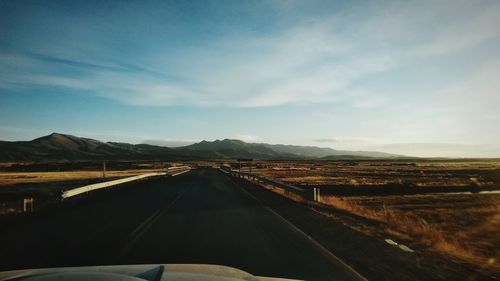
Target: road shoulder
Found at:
370, 256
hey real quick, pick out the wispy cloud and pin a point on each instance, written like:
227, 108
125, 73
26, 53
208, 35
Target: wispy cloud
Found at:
247, 138
314, 61
375, 73
349, 142
418, 149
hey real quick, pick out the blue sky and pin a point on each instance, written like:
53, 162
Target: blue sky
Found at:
412, 77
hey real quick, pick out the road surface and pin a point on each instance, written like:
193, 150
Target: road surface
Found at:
202, 216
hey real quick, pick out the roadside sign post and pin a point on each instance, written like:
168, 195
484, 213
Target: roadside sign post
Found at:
247, 160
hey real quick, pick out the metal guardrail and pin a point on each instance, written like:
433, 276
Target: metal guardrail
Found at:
272, 182
172, 171
309, 194
177, 170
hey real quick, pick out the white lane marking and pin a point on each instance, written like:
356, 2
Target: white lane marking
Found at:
400, 246
391, 242
405, 248
325, 251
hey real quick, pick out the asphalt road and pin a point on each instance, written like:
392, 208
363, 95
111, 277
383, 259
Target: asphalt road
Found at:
202, 216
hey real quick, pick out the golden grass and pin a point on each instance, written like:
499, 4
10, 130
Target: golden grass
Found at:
480, 173
415, 228
291, 195
8, 178
462, 244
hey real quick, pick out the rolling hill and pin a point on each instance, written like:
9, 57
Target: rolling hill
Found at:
67, 147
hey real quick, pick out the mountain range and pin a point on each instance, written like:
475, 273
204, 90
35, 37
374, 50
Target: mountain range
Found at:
67, 147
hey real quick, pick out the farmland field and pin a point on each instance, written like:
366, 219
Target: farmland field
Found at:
8, 178
44, 182
383, 173
463, 225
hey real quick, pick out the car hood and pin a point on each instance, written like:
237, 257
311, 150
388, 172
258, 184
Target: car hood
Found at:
146, 272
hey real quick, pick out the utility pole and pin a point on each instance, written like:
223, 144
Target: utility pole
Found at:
103, 169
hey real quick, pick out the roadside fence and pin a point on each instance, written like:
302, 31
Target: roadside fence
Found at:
307, 194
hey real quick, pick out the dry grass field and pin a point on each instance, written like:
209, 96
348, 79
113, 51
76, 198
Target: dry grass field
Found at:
462, 225
380, 173
44, 182
35, 173
10, 178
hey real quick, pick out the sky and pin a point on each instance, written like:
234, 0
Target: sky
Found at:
412, 77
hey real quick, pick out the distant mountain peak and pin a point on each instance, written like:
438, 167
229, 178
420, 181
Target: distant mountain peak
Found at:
231, 141
51, 136
57, 146
54, 137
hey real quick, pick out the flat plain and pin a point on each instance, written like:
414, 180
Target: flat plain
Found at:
432, 205
436, 206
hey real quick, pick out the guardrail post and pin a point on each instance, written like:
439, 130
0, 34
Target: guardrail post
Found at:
316, 194
28, 204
